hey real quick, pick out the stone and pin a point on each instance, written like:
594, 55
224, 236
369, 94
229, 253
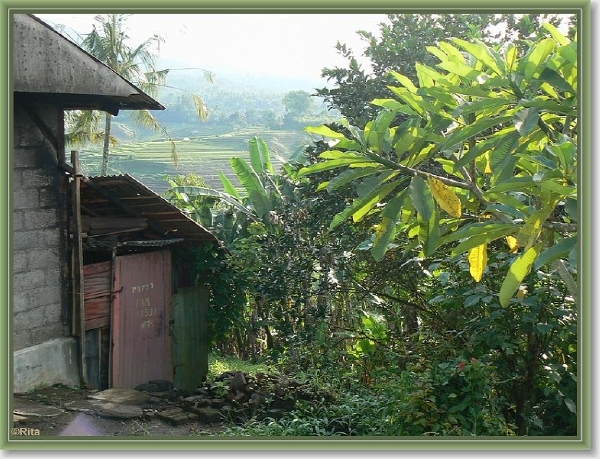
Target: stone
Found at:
122, 396
218, 403
147, 387
106, 409
162, 385
240, 398
257, 400
29, 409
238, 382
208, 415
177, 416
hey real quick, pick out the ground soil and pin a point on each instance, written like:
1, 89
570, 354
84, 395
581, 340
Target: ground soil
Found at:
73, 423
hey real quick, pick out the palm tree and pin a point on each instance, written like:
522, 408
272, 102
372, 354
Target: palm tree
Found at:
108, 43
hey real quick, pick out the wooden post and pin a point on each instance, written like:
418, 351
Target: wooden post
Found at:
77, 258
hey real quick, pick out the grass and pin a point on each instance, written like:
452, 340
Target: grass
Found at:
218, 364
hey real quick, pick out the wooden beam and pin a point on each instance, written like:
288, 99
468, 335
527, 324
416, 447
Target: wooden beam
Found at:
78, 288
96, 226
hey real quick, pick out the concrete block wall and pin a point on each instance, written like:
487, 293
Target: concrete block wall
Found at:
37, 266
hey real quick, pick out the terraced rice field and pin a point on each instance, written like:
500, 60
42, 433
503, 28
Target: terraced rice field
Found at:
151, 161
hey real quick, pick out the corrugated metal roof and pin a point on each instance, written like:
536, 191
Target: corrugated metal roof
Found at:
47, 65
119, 196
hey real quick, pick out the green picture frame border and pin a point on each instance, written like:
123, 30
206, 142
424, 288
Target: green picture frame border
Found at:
583, 442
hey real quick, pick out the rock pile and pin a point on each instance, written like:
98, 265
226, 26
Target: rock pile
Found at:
238, 396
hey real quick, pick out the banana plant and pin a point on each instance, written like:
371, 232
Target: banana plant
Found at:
487, 151
237, 207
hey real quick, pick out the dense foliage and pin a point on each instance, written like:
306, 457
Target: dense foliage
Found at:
422, 265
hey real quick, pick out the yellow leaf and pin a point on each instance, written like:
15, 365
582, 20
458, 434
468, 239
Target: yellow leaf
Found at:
530, 230
477, 261
488, 167
512, 244
445, 197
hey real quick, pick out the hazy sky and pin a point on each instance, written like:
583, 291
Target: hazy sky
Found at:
289, 45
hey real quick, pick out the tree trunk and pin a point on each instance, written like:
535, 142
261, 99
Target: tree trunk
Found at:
105, 150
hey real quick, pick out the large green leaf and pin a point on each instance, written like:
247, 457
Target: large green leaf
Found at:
488, 106
560, 38
377, 132
324, 131
526, 120
453, 54
529, 232
482, 53
386, 228
502, 145
331, 164
229, 187
421, 197
552, 77
514, 184
533, 62
361, 206
350, 175
253, 186
516, 273
460, 69
404, 81
427, 215
464, 133
260, 156
559, 250
502, 159
427, 76
413, 100
474, 229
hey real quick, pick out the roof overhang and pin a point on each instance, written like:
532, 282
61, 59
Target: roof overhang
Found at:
47, 65
120, 204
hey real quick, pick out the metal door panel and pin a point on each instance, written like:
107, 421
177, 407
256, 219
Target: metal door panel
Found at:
140, 322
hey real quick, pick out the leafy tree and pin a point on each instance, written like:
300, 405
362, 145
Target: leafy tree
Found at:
501, 125
109, 43
402, 43
296, 105
504, 129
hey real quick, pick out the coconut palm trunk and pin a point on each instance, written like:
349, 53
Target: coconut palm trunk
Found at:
106, 148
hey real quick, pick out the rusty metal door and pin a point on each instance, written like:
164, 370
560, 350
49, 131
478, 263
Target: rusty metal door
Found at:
140, 320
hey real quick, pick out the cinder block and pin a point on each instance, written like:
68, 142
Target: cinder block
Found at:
21, 340
29, 280
26, 132
29, 240
24, 157
20, 262
36, 178
27, 321
42, 258
39, 219
48, 198
45, 333
26, 200
39, 298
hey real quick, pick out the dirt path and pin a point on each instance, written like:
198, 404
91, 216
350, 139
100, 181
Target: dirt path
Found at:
46, 410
